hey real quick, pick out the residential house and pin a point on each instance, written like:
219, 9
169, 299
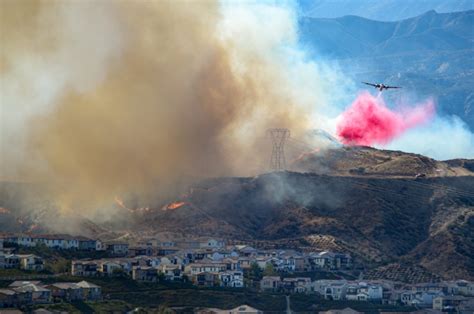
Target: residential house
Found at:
84, 268
242, 309
205, 266
90, 291
87, 244
171, 272
205, 279
31, 262
296, 285
100, 246
145, 273
232, 263
118, 248
449, 303
374, 292
246, 251
68, 291
56, 241
270, 283
347, 310
140, 251
231, 279
212, 243
245, 262
459, 287
342, 261
110, 268
39, 294
8, 298
12, 261
2, 260
331, 289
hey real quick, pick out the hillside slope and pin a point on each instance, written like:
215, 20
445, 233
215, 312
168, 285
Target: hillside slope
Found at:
380, 219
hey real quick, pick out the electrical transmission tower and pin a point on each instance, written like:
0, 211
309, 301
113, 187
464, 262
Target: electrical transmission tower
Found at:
279, 137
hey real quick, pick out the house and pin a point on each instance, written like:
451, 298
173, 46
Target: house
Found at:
321, 260
140, 251
31, 262
100, 246
231, 279
12, 261
87, 244
374, 292
205, 279
342, 261
263, 262
448, 303
68, 291
296, 285
39, 294
347, 310
270, 283
242, 309
118, 248
331, 289
459, 287
84, 268
109, 268
2, 260
285, 263
232, 263
212, 243
90, 291
171, 272
56, 241
246, 251
25, 240
145, 273
8, 298
164, 251
204, 266
424, 298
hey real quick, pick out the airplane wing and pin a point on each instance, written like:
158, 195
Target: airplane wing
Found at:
370, 84
392, 87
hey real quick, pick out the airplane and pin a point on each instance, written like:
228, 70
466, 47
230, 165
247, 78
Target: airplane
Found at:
381, 86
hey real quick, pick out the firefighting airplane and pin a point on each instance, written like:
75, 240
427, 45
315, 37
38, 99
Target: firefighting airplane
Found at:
381, 86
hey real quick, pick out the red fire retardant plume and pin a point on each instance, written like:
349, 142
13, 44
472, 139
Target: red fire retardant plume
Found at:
368, 121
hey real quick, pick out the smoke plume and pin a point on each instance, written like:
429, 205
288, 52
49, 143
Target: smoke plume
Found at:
369, 121
104, 98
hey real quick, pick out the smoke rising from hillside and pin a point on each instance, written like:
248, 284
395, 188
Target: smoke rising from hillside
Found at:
104, 98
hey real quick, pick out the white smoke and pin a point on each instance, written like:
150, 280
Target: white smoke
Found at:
443, 138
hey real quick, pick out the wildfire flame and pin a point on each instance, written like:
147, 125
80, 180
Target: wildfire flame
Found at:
175, 205
4, 210
121, 204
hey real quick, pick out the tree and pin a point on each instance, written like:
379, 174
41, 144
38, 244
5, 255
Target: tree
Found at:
255, 272
269, 270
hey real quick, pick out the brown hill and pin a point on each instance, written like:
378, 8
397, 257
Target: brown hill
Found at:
368, 161
383, 215
396, 223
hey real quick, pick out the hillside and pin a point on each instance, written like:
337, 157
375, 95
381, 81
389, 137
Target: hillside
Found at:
387, 10
380, 219
392, 220
367, 161
429, 55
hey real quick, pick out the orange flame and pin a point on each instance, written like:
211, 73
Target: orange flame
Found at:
175, 205
4, 210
